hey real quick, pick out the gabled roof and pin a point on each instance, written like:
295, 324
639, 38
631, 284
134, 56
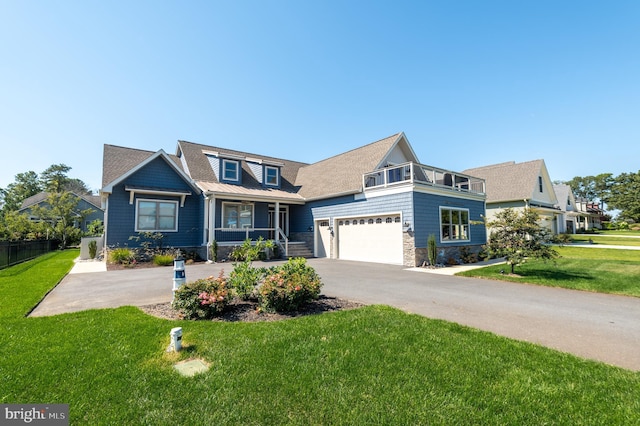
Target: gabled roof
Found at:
118, 163
342, 174
563, 193
198, 166
42, 196
510, 181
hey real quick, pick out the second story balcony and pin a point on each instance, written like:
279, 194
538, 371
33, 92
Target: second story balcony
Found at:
412, 173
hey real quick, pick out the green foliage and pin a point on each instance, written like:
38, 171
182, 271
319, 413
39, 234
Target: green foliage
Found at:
244, 278
562, 239
163, 259
123, 256
61, 213
516, 236
289, 286
592, 187
432, 250
203, 298
213, 251
93, 249
54, 178
250, 251
95, 228
25, 185
373, 365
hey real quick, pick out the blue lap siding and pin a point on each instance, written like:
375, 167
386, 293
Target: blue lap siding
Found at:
158, 175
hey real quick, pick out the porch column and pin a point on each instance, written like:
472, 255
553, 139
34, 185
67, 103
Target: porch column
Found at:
211, 223
277, 220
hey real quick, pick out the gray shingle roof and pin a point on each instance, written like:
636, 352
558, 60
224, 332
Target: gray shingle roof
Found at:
336, 175
343, 173
200, 169
118, 160
42, 196
509, 181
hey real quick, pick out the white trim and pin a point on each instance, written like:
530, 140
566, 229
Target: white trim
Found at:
466, 240
224, 170
253, 211
109, 187
174, 229
266, 175
147, 191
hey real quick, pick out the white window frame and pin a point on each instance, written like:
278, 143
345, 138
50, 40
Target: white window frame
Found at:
224, 170
226, 206
149, 200
266, 175
462, 226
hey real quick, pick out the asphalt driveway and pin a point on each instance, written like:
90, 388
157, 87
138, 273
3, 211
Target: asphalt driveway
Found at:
595, 326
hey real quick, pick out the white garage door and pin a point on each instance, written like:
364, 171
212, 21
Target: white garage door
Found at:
371, 239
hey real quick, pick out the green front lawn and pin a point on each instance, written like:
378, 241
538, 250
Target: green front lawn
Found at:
374, 365
606, 240
590, 269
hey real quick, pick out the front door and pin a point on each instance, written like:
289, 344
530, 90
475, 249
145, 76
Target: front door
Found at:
284, 220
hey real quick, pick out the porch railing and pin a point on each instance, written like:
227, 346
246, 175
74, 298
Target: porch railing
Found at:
239, 235
427, 175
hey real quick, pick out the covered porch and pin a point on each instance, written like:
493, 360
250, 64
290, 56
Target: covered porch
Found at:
231, 217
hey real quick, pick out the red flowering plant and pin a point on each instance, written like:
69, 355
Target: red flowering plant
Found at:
203, 298
289, 286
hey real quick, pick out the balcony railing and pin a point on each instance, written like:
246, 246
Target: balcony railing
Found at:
410, 173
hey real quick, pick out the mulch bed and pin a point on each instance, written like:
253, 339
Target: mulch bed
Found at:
247, 311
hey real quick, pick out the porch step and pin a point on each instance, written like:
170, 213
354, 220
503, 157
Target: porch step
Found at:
299, 249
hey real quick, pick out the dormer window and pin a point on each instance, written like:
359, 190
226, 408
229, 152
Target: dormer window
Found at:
230, 170
271, 176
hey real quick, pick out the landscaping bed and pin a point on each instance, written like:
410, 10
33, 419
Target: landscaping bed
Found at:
249, 311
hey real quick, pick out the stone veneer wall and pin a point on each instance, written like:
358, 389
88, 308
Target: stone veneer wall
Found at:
446, 254
409, 249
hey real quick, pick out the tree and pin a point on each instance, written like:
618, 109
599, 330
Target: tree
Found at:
516, 236
62, 215
25, 185
54, 178
77, 186
623, 196
592, 188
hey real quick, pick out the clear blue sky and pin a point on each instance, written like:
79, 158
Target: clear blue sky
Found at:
471, 82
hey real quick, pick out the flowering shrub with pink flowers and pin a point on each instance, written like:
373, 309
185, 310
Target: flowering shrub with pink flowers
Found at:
289, 286
203, 298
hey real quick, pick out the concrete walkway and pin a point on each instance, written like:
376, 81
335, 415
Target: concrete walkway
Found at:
595, 326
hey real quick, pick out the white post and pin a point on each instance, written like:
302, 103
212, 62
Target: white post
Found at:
277, 220
179, 276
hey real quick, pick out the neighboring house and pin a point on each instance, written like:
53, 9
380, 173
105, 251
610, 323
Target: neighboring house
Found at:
85, 202
519, 186
578, 214
374, 203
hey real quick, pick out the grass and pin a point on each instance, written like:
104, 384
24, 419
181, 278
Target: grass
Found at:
589, 269
606, 240
374, 365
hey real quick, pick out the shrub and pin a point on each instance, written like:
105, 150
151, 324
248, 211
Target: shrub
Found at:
203, 298
250, 251
432, 250
244, 278
93, 249
562, 239
122, 256
289, 286
163, 259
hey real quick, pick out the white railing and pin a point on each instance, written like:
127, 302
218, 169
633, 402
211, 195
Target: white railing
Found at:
239, 235
422, 174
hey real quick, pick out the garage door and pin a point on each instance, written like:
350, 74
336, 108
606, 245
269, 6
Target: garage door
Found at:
371, 239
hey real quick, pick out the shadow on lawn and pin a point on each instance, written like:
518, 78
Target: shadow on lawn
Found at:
554, 275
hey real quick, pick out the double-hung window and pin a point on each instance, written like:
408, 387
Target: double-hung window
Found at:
156, 215
271, 176
454, 224
230, 170
237, 215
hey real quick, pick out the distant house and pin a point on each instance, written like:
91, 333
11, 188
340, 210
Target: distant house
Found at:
85, 202
518, 186
578, 214
374, 203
